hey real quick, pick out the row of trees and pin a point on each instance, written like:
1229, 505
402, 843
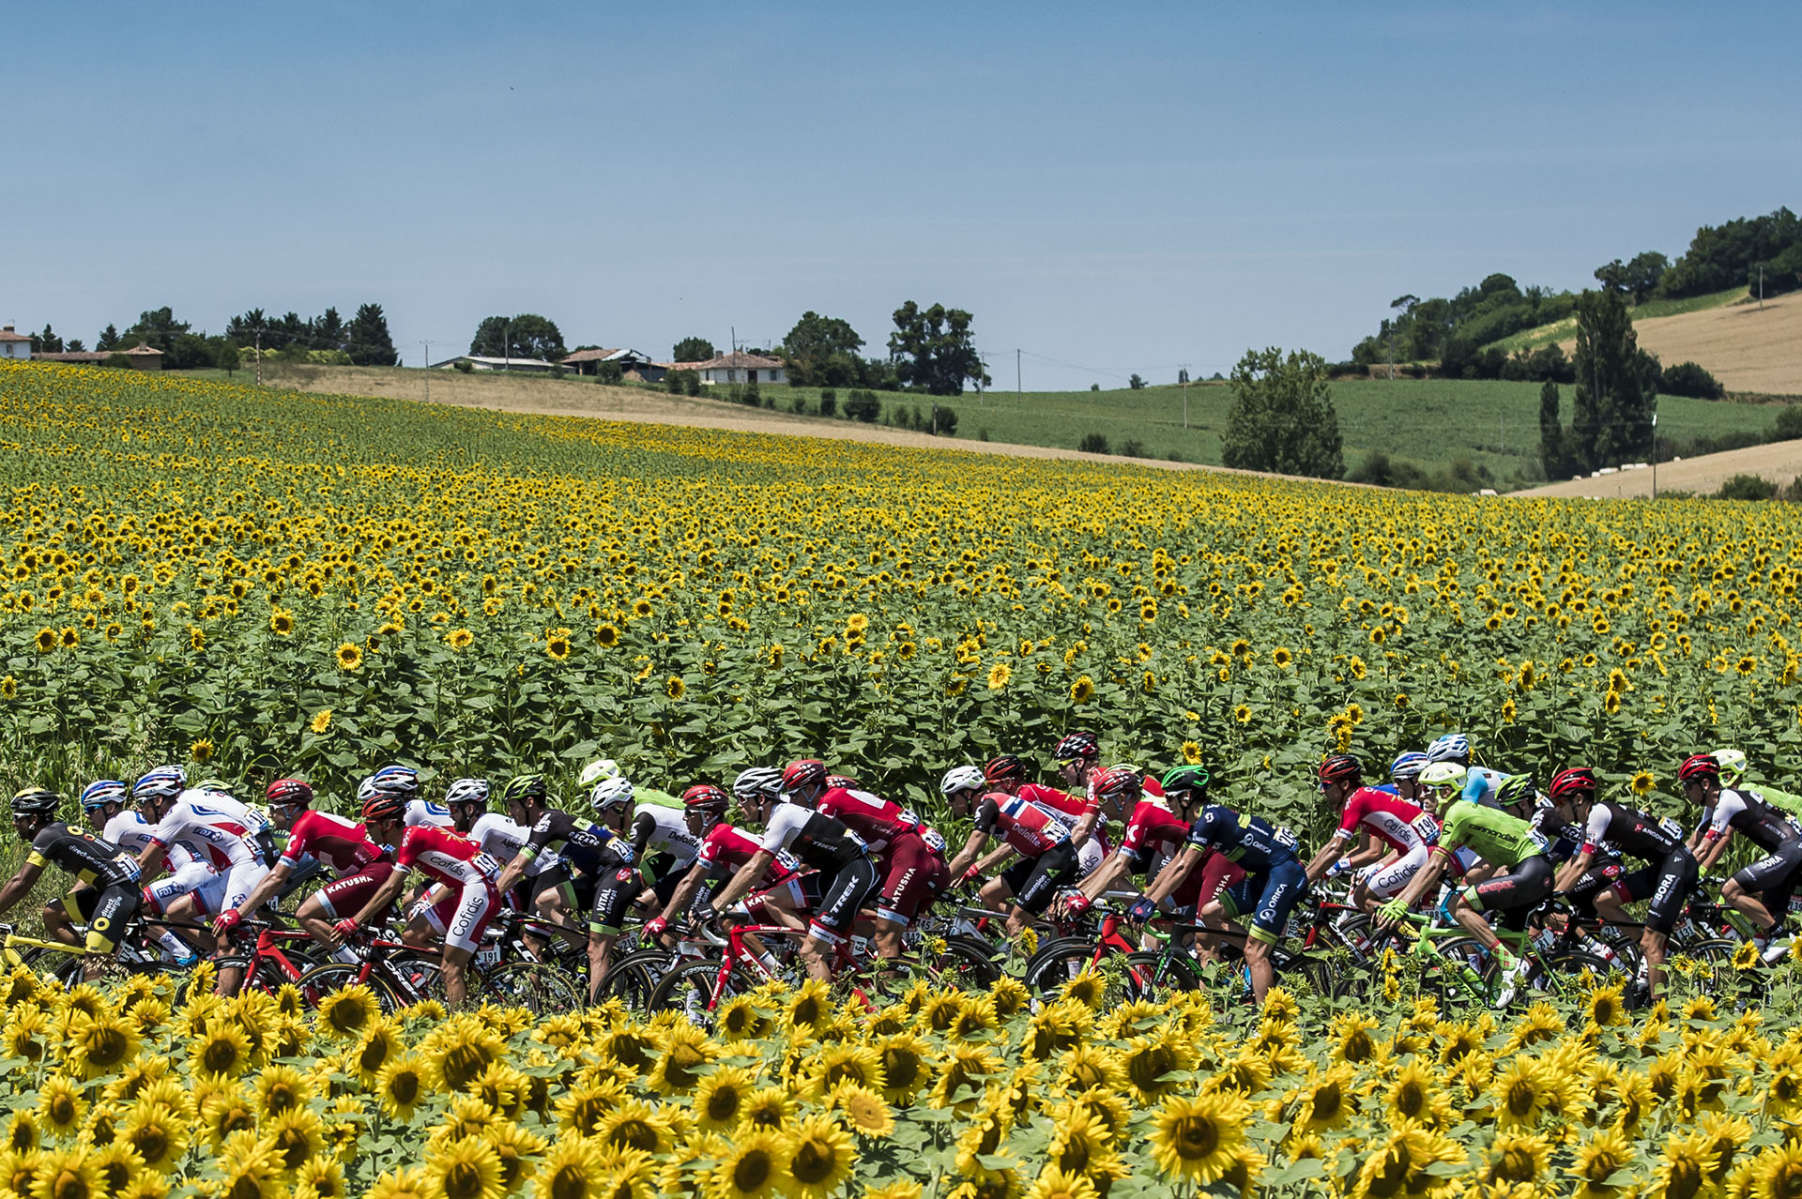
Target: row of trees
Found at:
1616, 389
364, 341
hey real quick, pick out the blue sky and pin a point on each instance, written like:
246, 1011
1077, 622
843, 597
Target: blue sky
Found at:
1108, 188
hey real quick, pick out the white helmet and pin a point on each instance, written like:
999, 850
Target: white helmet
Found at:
610, 794
1453, 747
467, 791
592, 773
935, 840
962, 778
365, 789
759, 782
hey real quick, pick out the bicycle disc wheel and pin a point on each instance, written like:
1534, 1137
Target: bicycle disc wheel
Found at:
540, 989
321, 981
633, 978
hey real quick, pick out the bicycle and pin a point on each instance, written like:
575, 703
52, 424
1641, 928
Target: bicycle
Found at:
71, 965
1146, 974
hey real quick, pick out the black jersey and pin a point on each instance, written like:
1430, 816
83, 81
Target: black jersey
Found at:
82, 854
582, 843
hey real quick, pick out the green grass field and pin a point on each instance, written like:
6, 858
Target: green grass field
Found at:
1564, 330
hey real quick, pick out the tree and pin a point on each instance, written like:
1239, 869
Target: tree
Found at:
932, 349
158, 329
225, 354
75, 346
821, 351
1644, 274
1282, 417
1136, 383
527, 335
1553, 453
693, 349
1613, 276
108, 340
1690, 379
1616, 384
328, 331
46, 342
863, 406
367, 338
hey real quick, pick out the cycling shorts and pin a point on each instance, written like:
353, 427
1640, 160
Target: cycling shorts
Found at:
854, 883
1204, 886
1385, 879
171, 887
104, 910
229, 888
1054, 868
914, 876
1269, 895
461, 916
343, 898
1773, 878
1514, 894
1676, 879
617, 891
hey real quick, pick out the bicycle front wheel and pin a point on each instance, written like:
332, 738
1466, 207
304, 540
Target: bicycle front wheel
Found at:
540, 989
1057, 963
319, 982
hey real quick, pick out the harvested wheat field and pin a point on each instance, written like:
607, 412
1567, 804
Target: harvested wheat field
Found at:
1778, 462
1747, 348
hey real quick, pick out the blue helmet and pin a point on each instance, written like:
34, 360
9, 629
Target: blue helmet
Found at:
98, 795
165, 782
1407, 765
1453, 747
396, 780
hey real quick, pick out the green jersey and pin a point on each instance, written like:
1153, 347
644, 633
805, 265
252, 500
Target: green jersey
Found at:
1777, 799
1492, 834
656, 798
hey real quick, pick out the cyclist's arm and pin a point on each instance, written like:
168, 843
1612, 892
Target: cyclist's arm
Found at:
644, 826
1097, 884
266, 886
744, 880
1085, 826
1427, 877
1369, 850
1174, 872
1572, 870
1713, 846
967, 855
1331, 852
514, 869
685, 890
21, 883
384, 896
150, 862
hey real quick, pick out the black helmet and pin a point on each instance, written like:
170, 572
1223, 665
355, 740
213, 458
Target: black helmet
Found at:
524, 789
1187, 778
36, 801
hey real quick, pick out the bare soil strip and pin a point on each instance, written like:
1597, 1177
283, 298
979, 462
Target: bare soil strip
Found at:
1778, 462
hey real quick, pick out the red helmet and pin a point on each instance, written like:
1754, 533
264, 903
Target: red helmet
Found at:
1572, 781
1004, 769
1080, 746
805, 773
286, 792
384, 806
1118, 783
1699, 768
1341, 768
840, 780
705, 797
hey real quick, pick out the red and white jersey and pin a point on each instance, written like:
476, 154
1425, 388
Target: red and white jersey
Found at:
871, 817
1070, 807
1390, 817
212, 826
443, 856
729, 848
1150, 830
131, 832
1027, 828
342, 844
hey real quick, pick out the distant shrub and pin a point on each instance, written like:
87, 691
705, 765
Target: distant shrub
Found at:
462, 366
863, 405
1789, 424
1092, 443
609, 372
828, 402
798, 403
1689, 379
944, 420
1747, 487
1134, 448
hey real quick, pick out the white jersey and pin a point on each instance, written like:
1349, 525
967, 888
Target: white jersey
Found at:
502, 839
669, 834
428, 812
131, 832
214, 827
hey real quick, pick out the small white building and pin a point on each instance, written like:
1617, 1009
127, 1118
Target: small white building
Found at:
524, 366
738, 367
14, 345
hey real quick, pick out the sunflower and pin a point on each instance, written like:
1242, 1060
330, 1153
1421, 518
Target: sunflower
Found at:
741, 1018
1605, 1007
380, 1045
464, 1169
820, 1157
1517, 1157
962, 1075
1350, 1035
100, 1044
1398, 1163
347, 1012
1088, 988
1193, 1139
119, 1166
319, 1178
768, 1107
350, 656
61, 1106
1079, 1138
573, 1169
401, 1085
406, 1183
1414, 1095
248, 1167
1746, 956
1054, 1183
635, 1124
46, 640
157, 1134
674, 687
222, 1049
1521, 1092
905, 1066
1152, 1061
1684, 1168
1000, 675
459, 639
1597, 1160
1282, 656
864, 1110
606, 636
25, 1033
754, 1166
1325, 1100
811, 1006
686, 1051
1777, 1171
322, 720
297, 1134
515, 1147
1082, 690
67, 1174
1242, 714
227, 1109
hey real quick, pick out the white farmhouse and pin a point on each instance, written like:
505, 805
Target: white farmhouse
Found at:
738, 367
14, 346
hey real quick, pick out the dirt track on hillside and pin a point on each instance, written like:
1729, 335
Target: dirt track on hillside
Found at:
1745, 348
572, 397
1778, 462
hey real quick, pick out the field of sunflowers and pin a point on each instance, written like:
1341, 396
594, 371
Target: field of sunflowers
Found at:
145, 1092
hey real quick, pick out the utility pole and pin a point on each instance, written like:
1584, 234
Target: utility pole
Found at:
259, 355
1184, 367
1761, 287
506, 346
428, 369
1016, 372
1654, 447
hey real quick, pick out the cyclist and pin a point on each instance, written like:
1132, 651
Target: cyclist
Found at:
500, 837
443, 857
171, 897
1505, 843
585, 851
111, 896
781, 894
659, 853
1041, 836
912, 873
1381, 817
1078, 758
1761, 890
358, 864
1733, 773
1480, 782
1007, 775
396, 779
1667, 878
816, 840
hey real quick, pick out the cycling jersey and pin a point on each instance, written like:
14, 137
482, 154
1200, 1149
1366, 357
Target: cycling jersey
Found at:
426, 812
502, 839
1481, 784
342, 844
1150, 828
662, 833
82, 854
131, 832
871, 817
1497, 837
1637, 834
818, 840
584, 844
213, 826
1027, 828
1393, 819
1777, 799
728, 848
444, 857
1251, 841
1744, 813
655, 798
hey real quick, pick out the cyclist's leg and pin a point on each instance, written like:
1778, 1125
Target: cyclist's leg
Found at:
1511, 895
60, 915
1676, 881
1282, 887
1386, 878
341, 899
997, 891
1050, 870
1747, 890
239, 878
613, 897
1202, 891
907, 881
476, 904
833, 918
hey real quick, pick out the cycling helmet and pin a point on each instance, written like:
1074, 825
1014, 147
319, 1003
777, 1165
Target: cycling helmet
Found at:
467, 791
524, 789
1340, 768
705, 797
1080, 746
365, 790
1187, 778
1442, 774
610, 794
806, 772
1732, 763
1699, 768
1407, 765
1517, 790
1004, 769
97, 795
384, 806
841, 780
284, 793
594, 772
165, 782
1118, 783
935, 840
397, 779
219, 785
36, 801
961, 778
1572, 781
1453, 747
758, 782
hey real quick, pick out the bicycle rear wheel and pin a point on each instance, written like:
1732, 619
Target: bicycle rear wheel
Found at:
1152, 976
633, 978
689, 989
1059, 962
541, 989
321, 981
